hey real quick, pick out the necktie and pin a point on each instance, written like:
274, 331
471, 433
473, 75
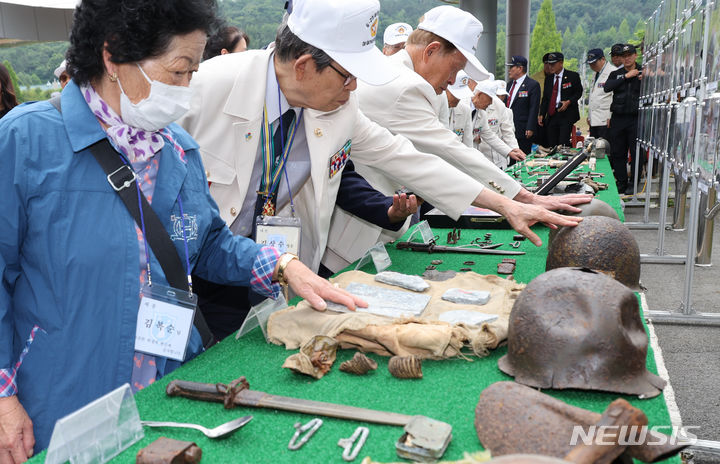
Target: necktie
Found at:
553, 96
597, 74
265, 207
512, 89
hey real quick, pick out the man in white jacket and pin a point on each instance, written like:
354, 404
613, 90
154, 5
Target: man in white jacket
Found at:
441, 46
493, 127
599, 100
460, 117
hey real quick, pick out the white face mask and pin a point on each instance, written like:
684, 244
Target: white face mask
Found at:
165, 104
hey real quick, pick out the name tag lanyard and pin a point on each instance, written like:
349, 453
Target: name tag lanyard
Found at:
282, 233
166, 314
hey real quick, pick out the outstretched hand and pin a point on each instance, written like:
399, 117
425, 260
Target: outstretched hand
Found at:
561, 202
522, 216
316, 290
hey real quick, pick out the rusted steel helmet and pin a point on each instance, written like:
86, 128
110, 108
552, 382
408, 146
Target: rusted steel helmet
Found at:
578, 328
512, 419
601, 243
594, 208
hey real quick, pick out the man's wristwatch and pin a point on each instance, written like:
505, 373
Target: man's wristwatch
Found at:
283, 262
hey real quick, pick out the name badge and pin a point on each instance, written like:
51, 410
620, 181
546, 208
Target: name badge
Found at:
522, 94
164, 322
339, 159
566, 85
281, 233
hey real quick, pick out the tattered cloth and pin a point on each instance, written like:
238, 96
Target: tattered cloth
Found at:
425, 336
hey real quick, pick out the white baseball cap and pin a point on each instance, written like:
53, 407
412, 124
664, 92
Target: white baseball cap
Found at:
461, 29
487, 87
346, 32
501, 87
460, 89
60, 69
397, 33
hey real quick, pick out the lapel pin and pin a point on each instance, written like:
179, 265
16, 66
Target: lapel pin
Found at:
248, 136
318, 132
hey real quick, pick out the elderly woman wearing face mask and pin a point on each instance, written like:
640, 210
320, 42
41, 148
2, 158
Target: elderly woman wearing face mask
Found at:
79, 270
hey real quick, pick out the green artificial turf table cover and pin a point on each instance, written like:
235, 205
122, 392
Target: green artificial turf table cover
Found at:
448, 391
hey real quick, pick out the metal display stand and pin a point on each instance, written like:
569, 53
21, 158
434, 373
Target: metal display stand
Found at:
694, 167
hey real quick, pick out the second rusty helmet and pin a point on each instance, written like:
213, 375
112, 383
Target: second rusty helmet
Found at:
601, 243
578, 328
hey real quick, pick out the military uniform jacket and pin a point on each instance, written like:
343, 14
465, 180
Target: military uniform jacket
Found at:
225, 118
599, 100
526, 105
570, 89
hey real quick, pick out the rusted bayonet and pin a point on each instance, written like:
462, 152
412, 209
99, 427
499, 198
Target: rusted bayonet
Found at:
238, 393
432, 248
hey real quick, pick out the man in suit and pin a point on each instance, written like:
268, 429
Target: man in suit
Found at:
599, 101
524, 101
559, 106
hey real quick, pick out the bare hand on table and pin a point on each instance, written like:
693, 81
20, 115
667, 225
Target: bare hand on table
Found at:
16, 432
313, 288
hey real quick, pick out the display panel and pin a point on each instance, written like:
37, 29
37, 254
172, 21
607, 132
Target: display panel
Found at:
698, 38
713, 47
708, 143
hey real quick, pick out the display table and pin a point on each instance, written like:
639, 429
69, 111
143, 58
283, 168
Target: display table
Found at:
448, 391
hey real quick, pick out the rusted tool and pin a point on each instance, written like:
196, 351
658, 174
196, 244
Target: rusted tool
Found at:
514, 419
506, 266
432, 248
618, 417
238, 393
168, 451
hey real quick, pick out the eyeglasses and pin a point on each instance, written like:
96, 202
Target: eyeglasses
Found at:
348, 77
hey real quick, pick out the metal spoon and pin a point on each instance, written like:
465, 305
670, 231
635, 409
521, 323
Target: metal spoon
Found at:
220, 431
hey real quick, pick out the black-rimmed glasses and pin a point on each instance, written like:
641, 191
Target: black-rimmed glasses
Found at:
348, 77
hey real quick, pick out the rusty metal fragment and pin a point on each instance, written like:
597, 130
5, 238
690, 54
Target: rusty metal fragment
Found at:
405, 367
577, 328
359, 365
513, 419
315, 358
506, 266
168, 451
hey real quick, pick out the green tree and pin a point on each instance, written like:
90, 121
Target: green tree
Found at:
14, 79
639, 33
624, 31
500, 54
545, 36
